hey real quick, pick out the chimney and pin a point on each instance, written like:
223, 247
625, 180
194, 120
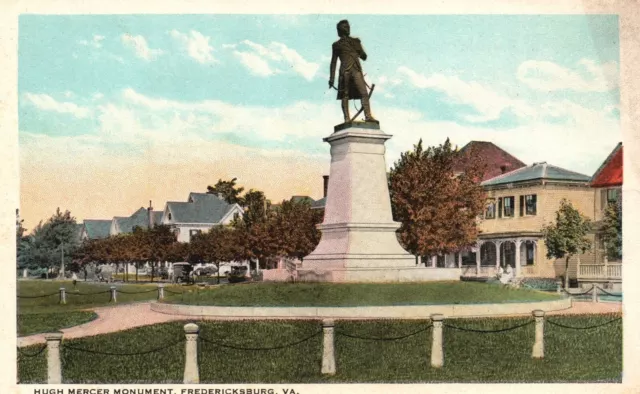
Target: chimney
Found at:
326, 185
150, 212
504, 168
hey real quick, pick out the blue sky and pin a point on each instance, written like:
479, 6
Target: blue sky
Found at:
144, 95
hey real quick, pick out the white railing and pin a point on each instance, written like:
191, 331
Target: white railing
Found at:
600, 271
614, 271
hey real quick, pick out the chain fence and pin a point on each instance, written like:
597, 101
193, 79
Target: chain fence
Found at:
608, 293
235, 347
38, 296
103, 353
192, 337
29, 355
489, 331
554, 323
384, 338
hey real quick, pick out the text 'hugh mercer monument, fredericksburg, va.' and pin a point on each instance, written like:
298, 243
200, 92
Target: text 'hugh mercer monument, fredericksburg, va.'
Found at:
359, 242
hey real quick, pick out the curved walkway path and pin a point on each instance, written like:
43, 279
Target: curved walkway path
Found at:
123, 317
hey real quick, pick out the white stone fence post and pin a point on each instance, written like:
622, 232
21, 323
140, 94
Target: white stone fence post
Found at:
191, 374
54, 370
63, 295
594, 293
538, 345
328, 349
114, 294
161, 291
437, 351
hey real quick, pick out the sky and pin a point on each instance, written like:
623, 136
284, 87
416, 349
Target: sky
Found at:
117, 110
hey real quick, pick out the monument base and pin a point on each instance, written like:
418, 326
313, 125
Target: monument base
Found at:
377, 275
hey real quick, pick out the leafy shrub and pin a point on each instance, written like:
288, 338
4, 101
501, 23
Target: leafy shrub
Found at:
539, 283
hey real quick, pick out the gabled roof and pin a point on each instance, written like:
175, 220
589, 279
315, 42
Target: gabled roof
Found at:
319, 204
495, 158
156, 217
610, 171
537, 171
139, 218
205, 208
97, 229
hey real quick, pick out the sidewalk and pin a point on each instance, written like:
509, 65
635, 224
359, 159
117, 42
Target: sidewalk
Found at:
123, 317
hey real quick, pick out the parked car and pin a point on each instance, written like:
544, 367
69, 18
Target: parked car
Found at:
237, 274
182, 273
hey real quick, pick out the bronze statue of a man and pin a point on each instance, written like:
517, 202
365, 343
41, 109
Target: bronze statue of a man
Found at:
351, 83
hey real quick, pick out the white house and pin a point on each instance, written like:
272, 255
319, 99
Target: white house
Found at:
201, 212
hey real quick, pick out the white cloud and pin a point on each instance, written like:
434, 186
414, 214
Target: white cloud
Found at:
587, 77
95, 42
211, 116
488, 103
97, 96
141, 47
268, 60
196, 44
255, 64
48, 103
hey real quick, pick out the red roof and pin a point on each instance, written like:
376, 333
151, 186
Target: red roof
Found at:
610, 172
497, 160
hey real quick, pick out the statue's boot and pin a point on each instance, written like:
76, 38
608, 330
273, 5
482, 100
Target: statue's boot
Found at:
345, 111
367, 110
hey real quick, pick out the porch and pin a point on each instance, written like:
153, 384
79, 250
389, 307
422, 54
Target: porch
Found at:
519, 251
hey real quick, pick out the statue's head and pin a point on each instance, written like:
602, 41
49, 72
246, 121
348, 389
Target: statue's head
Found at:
343, 28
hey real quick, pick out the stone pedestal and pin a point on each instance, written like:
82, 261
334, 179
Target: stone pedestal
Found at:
358, 241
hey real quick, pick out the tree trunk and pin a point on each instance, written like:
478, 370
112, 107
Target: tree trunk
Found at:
137, 266
566, 273
153, 270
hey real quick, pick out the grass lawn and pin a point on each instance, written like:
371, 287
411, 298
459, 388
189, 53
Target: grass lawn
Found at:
34, 323
570, 355
76, 296
356, 294
46, 314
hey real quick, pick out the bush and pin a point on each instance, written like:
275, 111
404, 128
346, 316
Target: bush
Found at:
539, 283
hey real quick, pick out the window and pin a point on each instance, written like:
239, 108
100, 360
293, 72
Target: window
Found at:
530, 202
529, 251
490, 213
194, 232
236, 216
612, 196
440, 261
169, 216
508, 206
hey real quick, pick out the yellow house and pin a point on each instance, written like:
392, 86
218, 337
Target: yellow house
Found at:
519, 204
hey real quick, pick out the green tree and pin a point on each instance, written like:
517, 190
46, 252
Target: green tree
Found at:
436, 207
567, 237
227, 190
50, 243
294, 227
255, 206
20, 230
611, 231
